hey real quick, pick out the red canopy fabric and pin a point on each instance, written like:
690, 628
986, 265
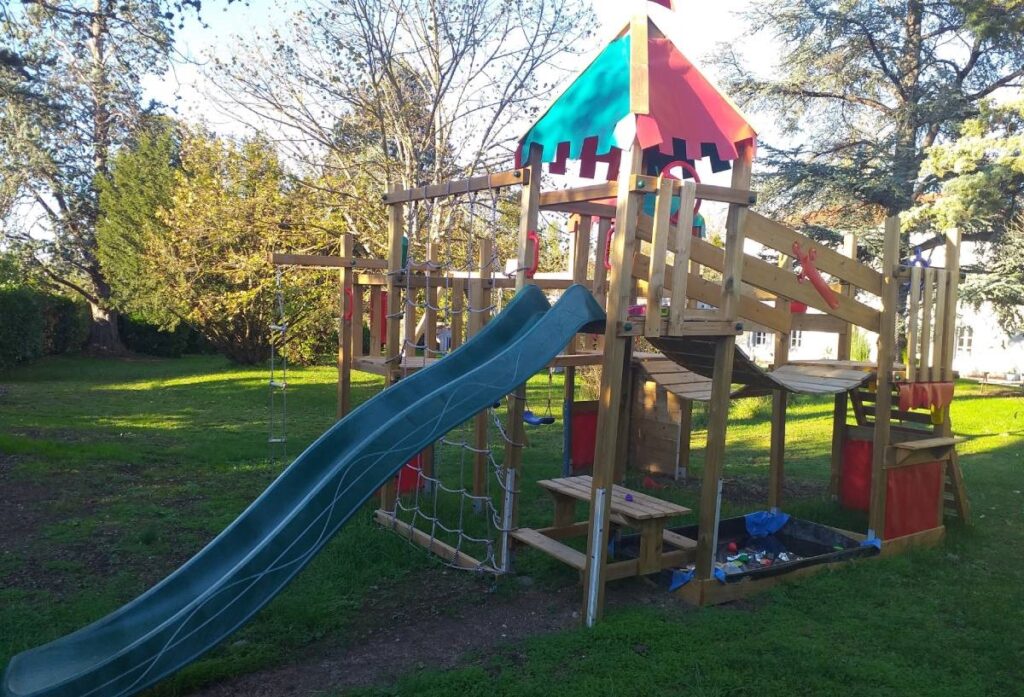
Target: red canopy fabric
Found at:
687, 107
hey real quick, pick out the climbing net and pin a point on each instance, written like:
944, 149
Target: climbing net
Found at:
458, 495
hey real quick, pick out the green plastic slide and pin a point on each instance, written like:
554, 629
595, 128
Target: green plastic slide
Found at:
243, 568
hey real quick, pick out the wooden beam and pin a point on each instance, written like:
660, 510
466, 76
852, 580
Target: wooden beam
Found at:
806, 322
886, 354
613, 373
346, 315
639, 70
732, 268
393, 351
682, 235
781, 282
529, 214
659, 250
497, 180
318, 261
428, 542
699, 288
585, 208
705, 192
781, 238
592, 192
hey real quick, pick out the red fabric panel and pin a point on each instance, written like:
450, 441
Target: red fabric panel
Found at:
925, 395
584, 438
688, 107
912, 499
561, 158
409, 475
588, 158
647, 132
855, 479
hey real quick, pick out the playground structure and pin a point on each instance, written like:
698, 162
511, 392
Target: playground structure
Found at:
635, 271
631, 246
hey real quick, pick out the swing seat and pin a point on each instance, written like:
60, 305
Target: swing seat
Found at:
534, 420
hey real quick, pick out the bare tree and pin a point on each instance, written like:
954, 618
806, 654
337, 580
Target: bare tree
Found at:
370, 92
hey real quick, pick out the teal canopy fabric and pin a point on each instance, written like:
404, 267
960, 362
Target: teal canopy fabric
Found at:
592, 106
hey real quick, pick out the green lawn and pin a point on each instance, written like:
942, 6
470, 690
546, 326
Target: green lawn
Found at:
117, 471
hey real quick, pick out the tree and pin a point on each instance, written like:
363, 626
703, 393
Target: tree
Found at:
232, 204
375, 92
982, 194
70, 95
133, 201
865, 88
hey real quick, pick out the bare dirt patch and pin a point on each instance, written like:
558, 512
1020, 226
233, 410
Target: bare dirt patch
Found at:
438, 620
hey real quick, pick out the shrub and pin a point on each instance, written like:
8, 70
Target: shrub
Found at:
141, 337
34, 324
21, 326
66, 324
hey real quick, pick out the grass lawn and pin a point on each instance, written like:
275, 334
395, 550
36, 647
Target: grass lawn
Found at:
115, 472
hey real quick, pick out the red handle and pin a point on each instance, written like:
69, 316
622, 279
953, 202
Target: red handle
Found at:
608, 248
666, 171
532, 236
349, 302
810, 272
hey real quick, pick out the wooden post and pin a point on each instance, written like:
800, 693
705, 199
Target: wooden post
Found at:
480, 299
721, 378
346, 308
614, 367
682, 471
840, 408
376, 297
578, 266
886, 351
357, 320
683, 236
604, 227
431, 298
777, 457
458, 301
396, 300
529, 215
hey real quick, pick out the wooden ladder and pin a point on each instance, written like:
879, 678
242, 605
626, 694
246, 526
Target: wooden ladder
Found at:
955, 494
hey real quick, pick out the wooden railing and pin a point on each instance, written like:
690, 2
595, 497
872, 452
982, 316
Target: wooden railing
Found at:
930, 324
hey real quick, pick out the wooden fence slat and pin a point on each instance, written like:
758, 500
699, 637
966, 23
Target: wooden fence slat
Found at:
659, 250
915, 310
682, 236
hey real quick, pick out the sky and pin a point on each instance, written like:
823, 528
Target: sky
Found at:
181, 87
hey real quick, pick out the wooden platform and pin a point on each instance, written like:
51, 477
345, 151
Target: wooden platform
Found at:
697, 354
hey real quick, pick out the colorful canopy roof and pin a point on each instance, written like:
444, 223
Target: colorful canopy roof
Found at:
640, 86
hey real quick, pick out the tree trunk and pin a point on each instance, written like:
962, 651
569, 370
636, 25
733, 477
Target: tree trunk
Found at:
104, 338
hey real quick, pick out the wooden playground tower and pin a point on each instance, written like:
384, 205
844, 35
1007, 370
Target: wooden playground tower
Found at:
640, 108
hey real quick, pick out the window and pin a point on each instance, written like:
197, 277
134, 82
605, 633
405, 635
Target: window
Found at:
759, 339
965, 340
796, 339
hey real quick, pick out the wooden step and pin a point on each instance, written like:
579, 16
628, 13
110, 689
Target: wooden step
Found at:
928, 443
562, 552
676, 540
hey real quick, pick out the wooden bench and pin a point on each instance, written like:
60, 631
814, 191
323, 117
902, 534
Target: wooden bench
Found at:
631, 509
